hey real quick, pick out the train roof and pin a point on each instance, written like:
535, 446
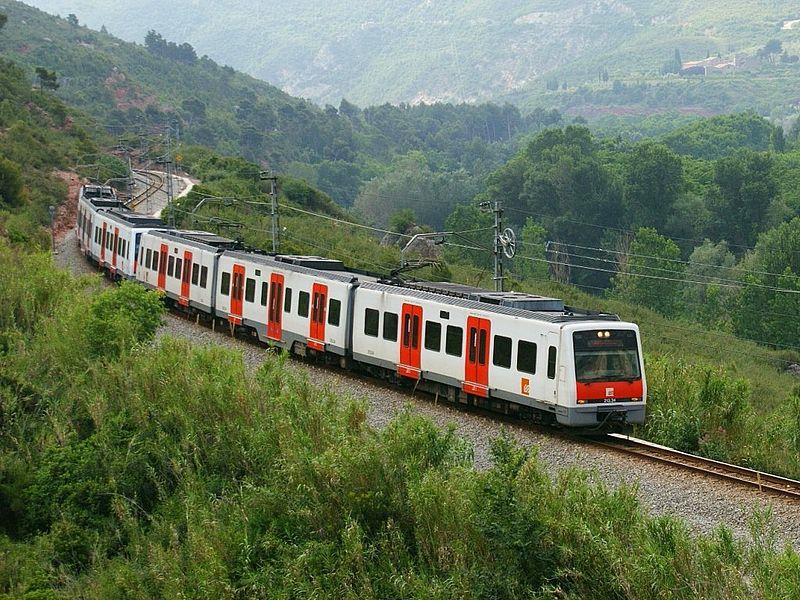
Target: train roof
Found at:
331, 269
488, 301
510, 299
136, 220
200, 239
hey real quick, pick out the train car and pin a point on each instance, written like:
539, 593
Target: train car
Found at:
183, 265
518, 351
91, 200
294, 302
109, 233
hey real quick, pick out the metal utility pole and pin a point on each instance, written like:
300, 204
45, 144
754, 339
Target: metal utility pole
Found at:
498, 258
273, 183
168, 165
505, 242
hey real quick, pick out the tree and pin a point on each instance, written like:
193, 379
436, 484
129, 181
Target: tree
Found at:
402, 221
763, 312
466, 217
534, 238
560, 179
648, 273
745, 188
777, 139
772, 48
10, 183
72, 20
3, 20
652, 184
47, 79
710, 302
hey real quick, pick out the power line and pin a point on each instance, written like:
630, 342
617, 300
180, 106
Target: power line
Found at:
672, 260
612, 228
644, 275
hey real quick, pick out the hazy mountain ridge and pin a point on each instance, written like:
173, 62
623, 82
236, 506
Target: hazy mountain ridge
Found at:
376, 51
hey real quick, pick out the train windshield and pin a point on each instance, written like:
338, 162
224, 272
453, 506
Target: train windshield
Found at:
606, 355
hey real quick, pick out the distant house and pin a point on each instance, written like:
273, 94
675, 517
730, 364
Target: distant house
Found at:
708, 66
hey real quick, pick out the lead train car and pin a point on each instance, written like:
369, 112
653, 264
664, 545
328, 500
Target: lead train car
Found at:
581, 370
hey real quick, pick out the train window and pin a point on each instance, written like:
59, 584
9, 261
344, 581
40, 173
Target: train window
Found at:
154, 265
178, 268
264, 293
250, 290
96, 235
526, 357
287, 301
334, 311
454, 340
433, 336
148, 258
482, 347
502, 352
225, 284
551, 362
195, 273
203, 277
171, 266
371, 319
302, 304
390, 326
415, 332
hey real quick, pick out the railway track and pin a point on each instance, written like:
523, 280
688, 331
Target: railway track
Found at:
764, 482
154, 183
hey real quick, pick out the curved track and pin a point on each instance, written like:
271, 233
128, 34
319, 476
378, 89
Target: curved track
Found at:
764, 482
154, 182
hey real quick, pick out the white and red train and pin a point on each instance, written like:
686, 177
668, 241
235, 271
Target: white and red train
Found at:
517, 352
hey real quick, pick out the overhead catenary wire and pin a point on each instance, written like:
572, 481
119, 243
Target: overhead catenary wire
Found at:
738, 285
671, 260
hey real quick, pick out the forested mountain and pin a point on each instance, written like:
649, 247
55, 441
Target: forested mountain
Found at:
599, 57
131, 88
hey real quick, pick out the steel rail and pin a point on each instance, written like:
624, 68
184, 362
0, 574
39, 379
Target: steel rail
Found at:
154, 184
764, 482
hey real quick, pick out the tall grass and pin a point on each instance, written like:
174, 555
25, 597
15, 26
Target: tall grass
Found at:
167, 470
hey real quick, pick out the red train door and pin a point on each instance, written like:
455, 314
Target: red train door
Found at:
319, 303
186, 277
237, 292
476, 371
275, 307
114, 245
410, 341
162, 267
103, 244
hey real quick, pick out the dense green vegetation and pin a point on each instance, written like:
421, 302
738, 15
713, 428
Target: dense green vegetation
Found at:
130, 469
39, 135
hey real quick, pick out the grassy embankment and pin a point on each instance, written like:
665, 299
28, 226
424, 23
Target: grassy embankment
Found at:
131, 469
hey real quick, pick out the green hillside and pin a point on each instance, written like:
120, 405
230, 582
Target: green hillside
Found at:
132, 89
376, 51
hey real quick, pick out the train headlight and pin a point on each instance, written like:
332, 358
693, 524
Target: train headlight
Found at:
604, 334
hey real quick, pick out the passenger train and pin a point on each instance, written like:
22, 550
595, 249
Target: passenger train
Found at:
510, 351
